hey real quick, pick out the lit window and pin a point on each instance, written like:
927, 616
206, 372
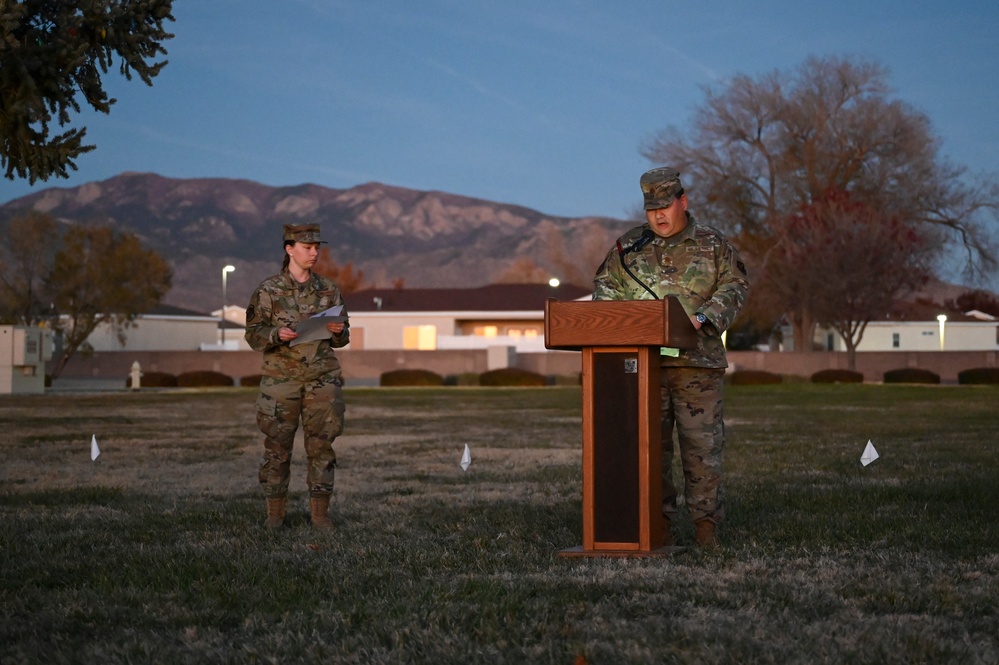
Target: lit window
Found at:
486, 331
419, 338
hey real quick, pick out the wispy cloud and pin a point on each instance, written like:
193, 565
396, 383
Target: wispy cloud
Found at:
237, 156
489, 93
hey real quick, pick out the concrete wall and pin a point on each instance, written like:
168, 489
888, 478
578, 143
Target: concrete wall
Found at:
364, 367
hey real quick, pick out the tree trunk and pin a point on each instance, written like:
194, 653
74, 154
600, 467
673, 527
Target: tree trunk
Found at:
803, 326
851, 356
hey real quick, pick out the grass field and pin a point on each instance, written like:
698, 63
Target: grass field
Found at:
155, 552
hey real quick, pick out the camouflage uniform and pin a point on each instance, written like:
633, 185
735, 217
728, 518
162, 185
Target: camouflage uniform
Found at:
704, 272
299, 382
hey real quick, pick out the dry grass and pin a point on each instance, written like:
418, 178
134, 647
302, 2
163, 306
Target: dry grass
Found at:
155, 552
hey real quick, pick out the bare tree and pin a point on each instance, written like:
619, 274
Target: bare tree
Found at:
103, 277
27, 251
761, 150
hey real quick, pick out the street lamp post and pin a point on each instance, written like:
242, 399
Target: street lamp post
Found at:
942, 318
225, 273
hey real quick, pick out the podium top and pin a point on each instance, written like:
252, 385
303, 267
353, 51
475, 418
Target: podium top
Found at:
575, 324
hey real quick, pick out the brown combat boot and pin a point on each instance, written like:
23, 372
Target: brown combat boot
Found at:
320, 506
705, 533
275, 512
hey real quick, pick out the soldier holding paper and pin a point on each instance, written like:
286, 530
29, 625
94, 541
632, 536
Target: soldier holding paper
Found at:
300, 381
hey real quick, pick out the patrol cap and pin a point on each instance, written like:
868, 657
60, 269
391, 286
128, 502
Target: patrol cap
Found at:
660, 186
302, 233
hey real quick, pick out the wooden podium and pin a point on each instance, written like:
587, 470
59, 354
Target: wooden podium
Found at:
622, 447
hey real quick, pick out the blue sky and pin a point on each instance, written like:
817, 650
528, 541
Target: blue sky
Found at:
541, 104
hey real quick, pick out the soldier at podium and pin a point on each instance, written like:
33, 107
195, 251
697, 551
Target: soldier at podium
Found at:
672, 255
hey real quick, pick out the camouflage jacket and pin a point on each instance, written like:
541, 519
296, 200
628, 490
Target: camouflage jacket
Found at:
280, 302
698, 266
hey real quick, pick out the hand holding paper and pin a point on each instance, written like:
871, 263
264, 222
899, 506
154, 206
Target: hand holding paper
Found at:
314, 327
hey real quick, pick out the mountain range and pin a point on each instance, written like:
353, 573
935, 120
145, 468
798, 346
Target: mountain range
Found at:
394, 236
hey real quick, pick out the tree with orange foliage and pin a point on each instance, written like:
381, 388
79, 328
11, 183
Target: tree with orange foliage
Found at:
347, 278
976, 299
845, 262
523, 271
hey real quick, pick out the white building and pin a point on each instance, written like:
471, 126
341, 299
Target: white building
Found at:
922, 326
512, 316
508, 315
167, 328
498, 315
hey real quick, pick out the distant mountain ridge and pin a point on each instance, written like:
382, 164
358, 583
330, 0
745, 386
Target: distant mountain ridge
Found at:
425, 238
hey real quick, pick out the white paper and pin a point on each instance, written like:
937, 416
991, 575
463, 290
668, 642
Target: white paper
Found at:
314, 327
466, 458
94, 450
870, 454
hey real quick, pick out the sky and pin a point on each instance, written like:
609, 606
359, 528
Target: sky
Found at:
545, 104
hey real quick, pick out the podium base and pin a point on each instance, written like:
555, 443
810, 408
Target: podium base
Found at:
578, 552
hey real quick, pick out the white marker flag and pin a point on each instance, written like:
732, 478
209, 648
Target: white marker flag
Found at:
466, 458
870, 454
94, 450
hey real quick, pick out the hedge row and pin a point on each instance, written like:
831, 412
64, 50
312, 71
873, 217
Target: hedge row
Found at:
411, 377
509, 376
195, 379
401, 377
512, 376
977, 376
837, 376
753, 377
911, 375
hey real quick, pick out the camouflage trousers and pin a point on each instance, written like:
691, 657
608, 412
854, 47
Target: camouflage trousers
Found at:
692, 403
319, 406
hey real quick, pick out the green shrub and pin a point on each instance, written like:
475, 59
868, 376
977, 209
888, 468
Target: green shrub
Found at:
568, 379
979, 376
511, 376
411, 377
202, 379
837, 376
154, 380
753, 377
251, 381
463, 379
911, 375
